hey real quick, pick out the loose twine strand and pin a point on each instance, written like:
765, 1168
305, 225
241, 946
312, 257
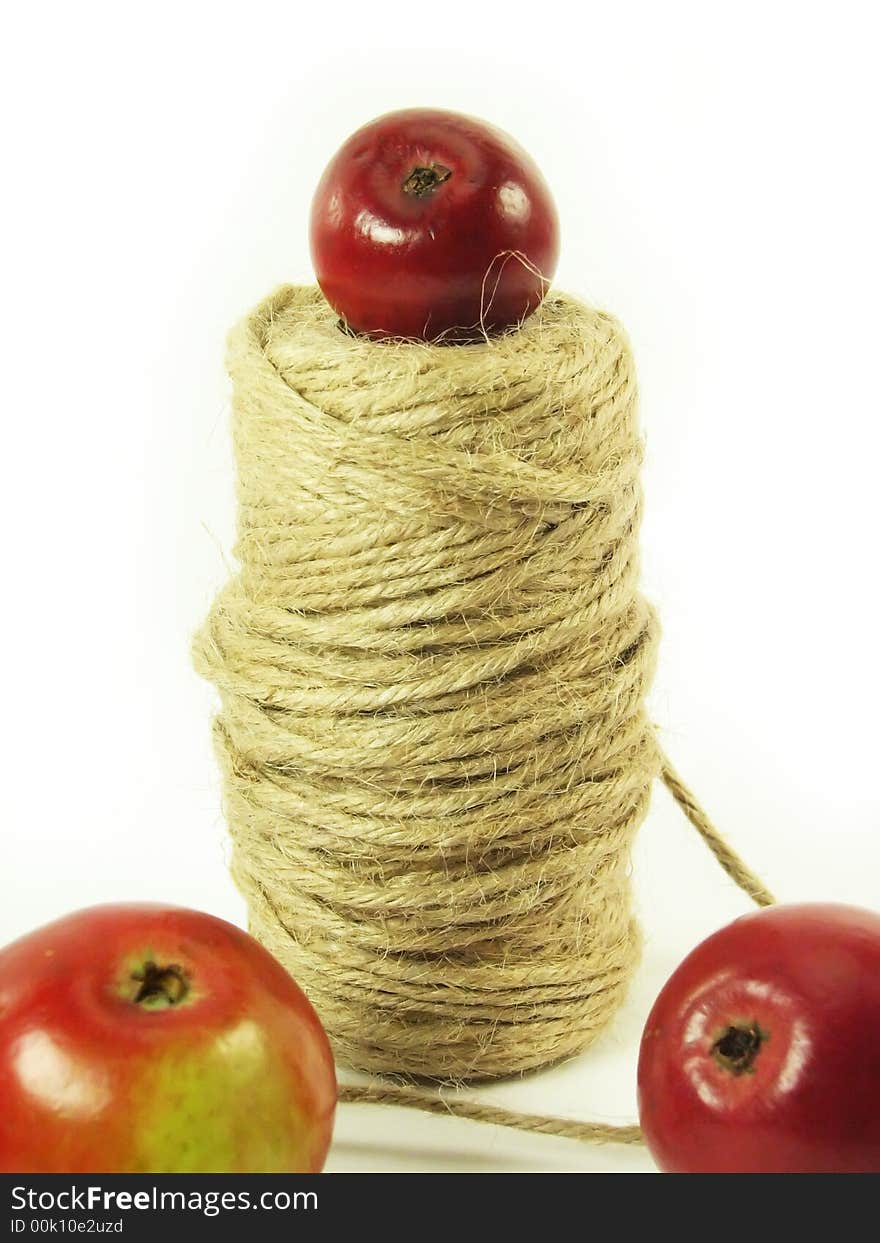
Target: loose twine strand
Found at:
461, 1107
432, 669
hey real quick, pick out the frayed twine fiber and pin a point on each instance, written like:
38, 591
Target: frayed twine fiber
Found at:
432, 668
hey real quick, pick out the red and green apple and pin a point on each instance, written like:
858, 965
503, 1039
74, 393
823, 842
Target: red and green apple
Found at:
140, 1038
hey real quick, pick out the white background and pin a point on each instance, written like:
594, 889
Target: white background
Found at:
715, 171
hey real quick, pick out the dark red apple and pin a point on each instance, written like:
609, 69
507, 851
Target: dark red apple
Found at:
157, 1039
759, 1055
431, 224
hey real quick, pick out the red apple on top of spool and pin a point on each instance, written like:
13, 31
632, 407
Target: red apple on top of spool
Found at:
158, 1040
433, 225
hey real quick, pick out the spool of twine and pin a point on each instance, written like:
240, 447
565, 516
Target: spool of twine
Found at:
432, 668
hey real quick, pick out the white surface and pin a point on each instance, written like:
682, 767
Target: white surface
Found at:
715, 171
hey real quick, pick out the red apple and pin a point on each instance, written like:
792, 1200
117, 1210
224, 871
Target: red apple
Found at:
161, 1040
431, 224
759, 1055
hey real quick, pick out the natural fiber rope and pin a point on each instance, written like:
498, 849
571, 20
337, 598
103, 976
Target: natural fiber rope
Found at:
432, 667
461, 1107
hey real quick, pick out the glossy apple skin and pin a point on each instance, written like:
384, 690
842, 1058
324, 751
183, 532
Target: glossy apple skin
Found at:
472, 256
809, 977
237, 1076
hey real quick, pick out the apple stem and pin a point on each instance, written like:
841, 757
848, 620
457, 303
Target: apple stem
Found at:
738, 1046
159, 987
424, 179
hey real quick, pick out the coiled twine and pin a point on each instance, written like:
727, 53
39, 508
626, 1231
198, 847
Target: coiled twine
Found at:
432, 668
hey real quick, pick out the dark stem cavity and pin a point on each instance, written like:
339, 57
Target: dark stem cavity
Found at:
425, 178
738, 1046
158, 987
